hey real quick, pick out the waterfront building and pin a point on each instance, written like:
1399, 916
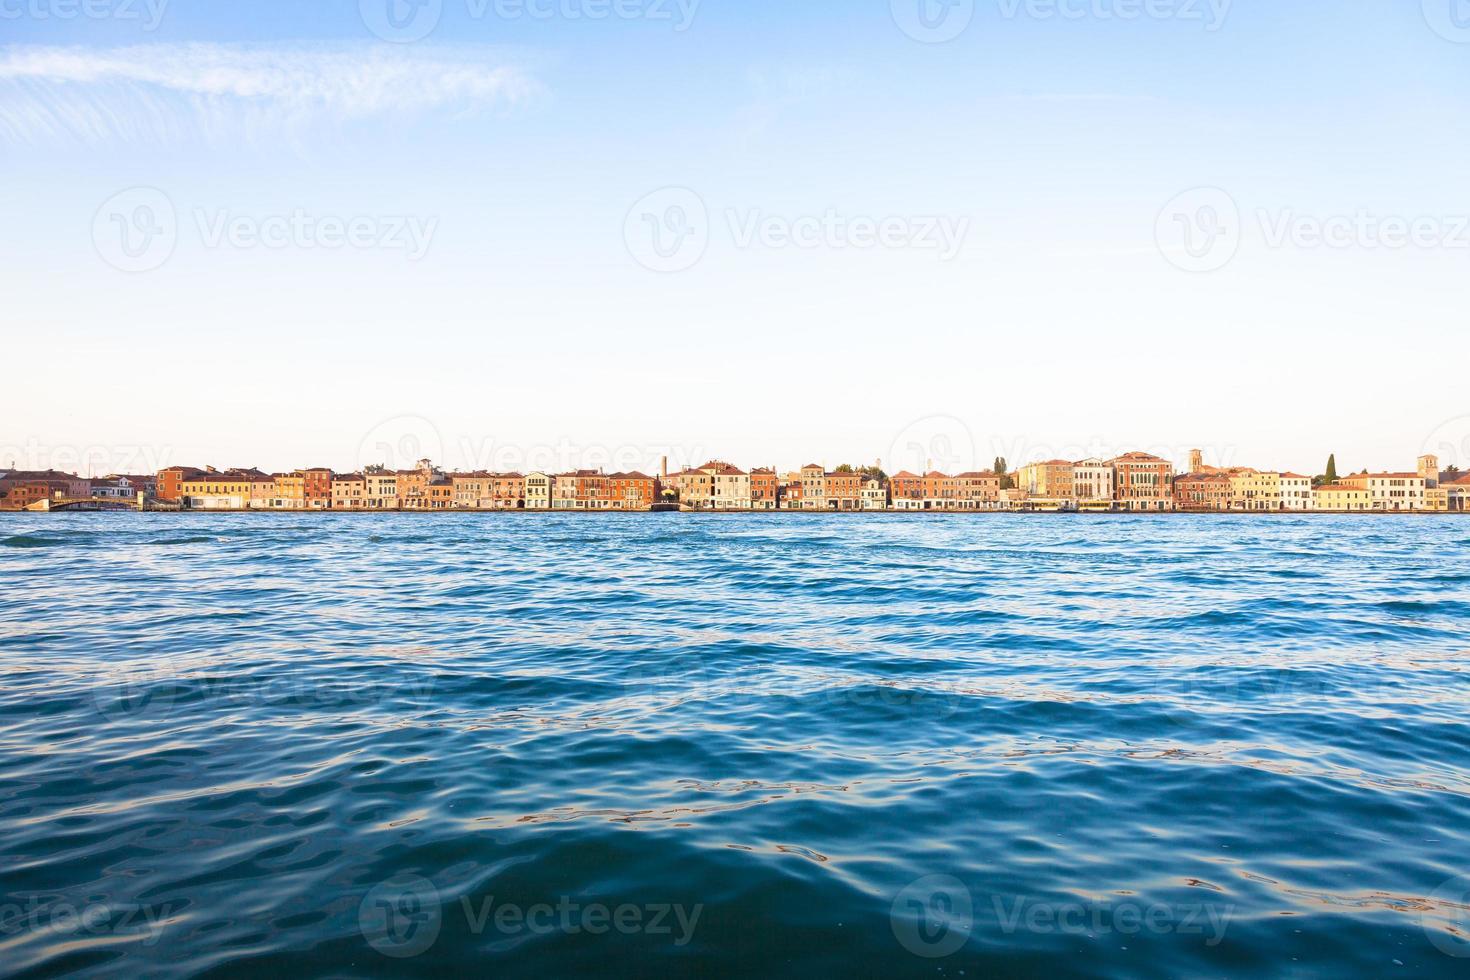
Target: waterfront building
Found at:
1457, 492
729, 486
1255, 490
1143, 482
790, 492
19, 494
581, 490
316, 488
941, 491
229, 490
977, 491
539, 490
413, 487
473, 491
843, 490
875, 494
1391, 491
632, 491
70, 485
382, 488
813, 487
1052, 479
290, 491
906, 491
1341, 498
765, 489
170, 481
1092, 483
349, 491
1202, 492
508, 491
1296, 492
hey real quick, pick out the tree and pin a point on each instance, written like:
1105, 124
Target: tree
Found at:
1331, 476
844, 468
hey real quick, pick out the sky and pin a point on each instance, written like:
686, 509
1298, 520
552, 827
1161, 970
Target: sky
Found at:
535, 234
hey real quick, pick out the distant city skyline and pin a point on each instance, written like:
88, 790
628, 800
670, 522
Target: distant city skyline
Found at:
250, 236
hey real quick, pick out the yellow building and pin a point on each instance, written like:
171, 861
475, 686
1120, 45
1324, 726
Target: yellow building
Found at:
1341, 498
1391, 491
1253, 490
290, 492
1054, 479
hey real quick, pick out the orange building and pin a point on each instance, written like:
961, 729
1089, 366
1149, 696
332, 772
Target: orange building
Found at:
170, 484
765, 489
316, 488
632, 491
581, 490
1144, 482
906, 491
978, 491
844, 490
941, 491
1202, 491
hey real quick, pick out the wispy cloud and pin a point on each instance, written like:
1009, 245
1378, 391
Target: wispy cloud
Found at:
170, 91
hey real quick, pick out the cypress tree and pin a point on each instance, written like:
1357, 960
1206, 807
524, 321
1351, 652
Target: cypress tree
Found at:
1332, 468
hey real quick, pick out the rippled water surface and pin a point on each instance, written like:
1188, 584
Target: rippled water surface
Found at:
779, 745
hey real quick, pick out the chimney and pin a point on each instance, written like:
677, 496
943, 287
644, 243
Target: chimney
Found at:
664, 467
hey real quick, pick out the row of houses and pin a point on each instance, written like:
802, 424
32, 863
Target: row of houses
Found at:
1132, 482
423, 488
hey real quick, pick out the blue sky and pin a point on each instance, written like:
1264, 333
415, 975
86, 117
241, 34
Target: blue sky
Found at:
500, 306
